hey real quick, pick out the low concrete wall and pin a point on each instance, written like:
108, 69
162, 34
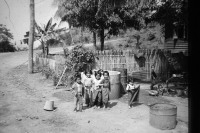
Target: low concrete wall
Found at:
46, 61
54, 64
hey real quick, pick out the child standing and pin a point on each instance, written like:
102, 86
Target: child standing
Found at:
97, 90
78, 90
153, 77
101, 71
105, 89
88, 84
133, 92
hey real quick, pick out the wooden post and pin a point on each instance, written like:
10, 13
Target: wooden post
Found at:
31, 37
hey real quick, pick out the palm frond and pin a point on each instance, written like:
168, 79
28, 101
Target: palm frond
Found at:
38, 28
48, 25
52, 27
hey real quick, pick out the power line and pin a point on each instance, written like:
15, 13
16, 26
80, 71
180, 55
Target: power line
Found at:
9, 17
39, 2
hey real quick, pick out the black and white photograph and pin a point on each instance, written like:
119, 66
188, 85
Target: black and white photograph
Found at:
94, 66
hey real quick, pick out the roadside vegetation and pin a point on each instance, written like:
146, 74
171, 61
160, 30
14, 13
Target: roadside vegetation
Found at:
5, 40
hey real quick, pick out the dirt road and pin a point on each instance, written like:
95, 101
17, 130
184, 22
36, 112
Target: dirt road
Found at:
22, 97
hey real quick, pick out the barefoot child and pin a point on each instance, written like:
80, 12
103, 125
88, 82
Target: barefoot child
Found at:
133, 92
88, 84
78, 90
97, 90
105, 89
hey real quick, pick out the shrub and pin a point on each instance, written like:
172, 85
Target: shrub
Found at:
5, 46
78, 60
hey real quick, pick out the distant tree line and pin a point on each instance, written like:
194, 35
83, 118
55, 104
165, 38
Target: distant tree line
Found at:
5, 37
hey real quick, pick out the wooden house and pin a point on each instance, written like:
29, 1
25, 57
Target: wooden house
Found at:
177, 45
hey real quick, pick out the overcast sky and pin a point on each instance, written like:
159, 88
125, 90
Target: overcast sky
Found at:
20, 15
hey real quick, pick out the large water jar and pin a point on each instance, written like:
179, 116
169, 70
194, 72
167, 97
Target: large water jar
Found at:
123, 73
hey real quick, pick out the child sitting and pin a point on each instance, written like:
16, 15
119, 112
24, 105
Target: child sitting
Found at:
78, 90
133, 92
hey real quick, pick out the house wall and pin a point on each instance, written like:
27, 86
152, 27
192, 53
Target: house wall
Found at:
182, 43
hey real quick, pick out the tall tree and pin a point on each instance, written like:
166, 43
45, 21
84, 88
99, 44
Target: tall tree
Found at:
173, 12
31, 36
101, 15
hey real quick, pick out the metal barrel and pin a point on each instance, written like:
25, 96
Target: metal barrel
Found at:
123, 81
114, 84
163, 116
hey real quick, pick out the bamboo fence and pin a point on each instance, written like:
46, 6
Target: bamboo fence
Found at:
137, 63
139, 67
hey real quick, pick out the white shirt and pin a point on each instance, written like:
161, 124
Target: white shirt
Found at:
130, 87
82, 76
96, 83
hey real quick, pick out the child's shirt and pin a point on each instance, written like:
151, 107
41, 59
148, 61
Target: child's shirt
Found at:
130, 87
88, 81
96, 84
78, 88
106, 83
102, 77
83, 76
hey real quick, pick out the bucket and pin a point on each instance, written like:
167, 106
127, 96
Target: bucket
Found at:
163, 116
49, 105
114, 84
123, 73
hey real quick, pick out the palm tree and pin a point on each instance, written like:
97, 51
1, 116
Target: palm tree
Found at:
42, 31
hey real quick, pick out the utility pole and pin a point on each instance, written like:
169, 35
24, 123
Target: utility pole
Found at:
31, 37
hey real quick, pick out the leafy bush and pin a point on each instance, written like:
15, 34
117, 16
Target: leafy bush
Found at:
5, 46
47, 71
78, 60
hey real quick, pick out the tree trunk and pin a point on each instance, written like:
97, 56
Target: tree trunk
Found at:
94, 39
82, 34
31, 37
47, 49
43, 48
102, 38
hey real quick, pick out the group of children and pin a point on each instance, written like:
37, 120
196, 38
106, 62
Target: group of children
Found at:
93, 88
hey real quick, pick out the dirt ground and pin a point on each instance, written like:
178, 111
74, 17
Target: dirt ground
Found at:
22, 98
